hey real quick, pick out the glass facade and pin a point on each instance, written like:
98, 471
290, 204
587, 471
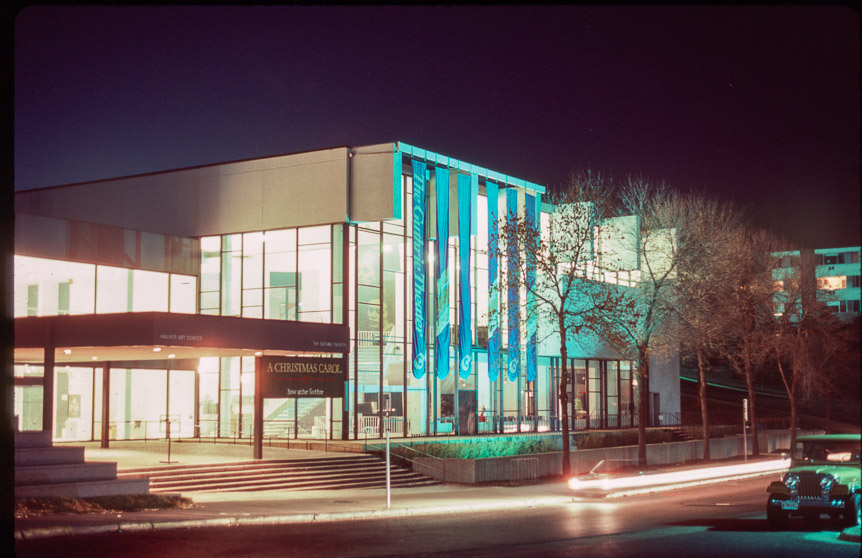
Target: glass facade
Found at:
288, 274
306, 274
65, 267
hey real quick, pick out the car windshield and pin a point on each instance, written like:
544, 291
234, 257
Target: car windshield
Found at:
826, 451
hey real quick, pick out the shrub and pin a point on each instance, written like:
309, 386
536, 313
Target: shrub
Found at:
502, 447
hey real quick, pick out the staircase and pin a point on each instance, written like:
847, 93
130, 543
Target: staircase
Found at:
682, 434
330, 473
45, 471
279, 423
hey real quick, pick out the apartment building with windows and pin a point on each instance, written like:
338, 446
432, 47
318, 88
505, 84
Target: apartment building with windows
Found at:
837, 273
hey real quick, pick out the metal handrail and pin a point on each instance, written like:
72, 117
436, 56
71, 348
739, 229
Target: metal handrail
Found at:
439, 459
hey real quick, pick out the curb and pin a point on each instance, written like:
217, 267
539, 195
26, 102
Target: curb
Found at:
664, 488
851, 534
234, 521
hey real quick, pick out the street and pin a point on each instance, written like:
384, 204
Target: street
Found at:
717, 520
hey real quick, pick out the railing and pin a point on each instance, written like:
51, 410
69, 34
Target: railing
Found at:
155, 429
380, 447
371, 425
524, 468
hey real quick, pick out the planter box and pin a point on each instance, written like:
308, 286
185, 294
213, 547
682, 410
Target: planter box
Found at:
491, 469
527, 467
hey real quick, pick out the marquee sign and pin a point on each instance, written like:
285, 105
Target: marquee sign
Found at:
303, 376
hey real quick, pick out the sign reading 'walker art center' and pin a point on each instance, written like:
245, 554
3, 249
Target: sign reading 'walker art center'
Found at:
303, 376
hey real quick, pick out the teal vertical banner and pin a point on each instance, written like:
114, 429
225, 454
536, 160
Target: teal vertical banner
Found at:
465, 300
494, 332
513, 301
474, 203
530, 214
442, 259
419, 269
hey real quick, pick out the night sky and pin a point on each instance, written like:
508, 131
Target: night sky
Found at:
756, 105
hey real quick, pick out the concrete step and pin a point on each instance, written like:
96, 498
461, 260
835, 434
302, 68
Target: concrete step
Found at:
321, 480
48, 455
65, 473
353, 484
218, 473
85, 489
682, 434
292, 486
308, 474
33, 439
296, 464
45, 471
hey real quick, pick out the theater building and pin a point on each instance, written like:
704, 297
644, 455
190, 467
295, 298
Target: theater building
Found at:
298, 296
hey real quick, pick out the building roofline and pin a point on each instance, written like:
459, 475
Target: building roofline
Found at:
405, 148
451, 162
178, 169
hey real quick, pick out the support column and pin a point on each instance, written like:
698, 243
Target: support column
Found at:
257, 435
197, 409
345, 319
48, 384
106, 404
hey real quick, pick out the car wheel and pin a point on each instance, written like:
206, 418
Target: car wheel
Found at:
776, 516
852, 511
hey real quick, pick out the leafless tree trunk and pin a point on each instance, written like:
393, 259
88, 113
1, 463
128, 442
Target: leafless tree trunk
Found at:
752, 409
563, 294
564, 402
701, 397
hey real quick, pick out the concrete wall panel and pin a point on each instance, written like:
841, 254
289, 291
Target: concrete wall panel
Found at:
375, 195
275, 192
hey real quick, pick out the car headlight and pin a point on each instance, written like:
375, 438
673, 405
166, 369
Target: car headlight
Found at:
826, 482
791, 480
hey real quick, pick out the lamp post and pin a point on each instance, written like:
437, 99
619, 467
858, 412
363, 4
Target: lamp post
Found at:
386, 419
745, 429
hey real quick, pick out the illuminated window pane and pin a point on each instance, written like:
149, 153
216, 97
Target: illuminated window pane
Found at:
112, 290
832, 283
182, 402
50, 287
231, 280
149, 291
183, 291
252, 266
315, 280
315, 235
369, 258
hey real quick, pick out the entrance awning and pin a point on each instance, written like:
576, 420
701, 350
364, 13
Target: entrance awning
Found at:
157, 335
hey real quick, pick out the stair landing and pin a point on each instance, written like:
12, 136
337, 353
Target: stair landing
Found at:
43, 470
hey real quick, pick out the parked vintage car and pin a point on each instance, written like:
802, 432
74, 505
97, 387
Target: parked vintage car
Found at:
823, 478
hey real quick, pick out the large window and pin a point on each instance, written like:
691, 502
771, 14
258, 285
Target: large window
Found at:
280, 280
315, 274
832, 283
53, 287
282, 275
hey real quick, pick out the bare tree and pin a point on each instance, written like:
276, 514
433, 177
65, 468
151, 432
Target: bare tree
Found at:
642, 322
747, 309
841, 376
559, 284
807, 338
705, 275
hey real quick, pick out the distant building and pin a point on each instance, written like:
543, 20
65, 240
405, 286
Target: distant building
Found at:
838, 278
297, 296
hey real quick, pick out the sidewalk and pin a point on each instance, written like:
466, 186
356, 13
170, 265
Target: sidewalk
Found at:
284, 507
